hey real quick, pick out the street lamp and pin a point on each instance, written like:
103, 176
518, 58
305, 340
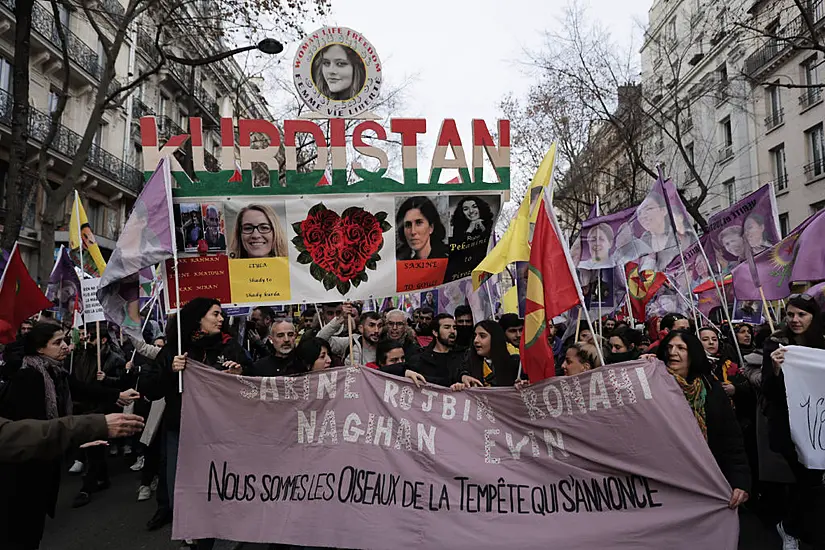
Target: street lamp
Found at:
269, 46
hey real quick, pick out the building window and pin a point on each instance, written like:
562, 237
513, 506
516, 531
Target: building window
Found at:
815, 143
774, 103
784, 226
817, 206
780, 168
730, 190
810, 76
726, 150
670, 33
163, 101
5, 75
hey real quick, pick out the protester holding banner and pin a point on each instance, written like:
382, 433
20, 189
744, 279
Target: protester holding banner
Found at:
313, 354
803, 327
488, 362
282, 361
439, 362
40, 390
389, 358
687, 362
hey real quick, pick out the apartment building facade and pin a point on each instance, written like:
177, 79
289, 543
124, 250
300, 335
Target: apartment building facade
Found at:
113, 174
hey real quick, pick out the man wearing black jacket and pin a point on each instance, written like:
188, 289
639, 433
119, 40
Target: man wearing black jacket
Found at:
439, 362
282, 361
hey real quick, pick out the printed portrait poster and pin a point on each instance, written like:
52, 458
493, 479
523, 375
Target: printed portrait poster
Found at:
258, 250
214, 226
747, 311
472, 222
339, 249
750, 223
605, 279
597, 240
188, 226
421, 248
429, 298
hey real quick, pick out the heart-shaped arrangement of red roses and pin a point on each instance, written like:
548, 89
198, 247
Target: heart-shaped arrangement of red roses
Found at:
339, 249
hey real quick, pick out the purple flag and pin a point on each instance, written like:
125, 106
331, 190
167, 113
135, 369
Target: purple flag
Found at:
797, 257
146, 240
64, 284
611, 458
597, 240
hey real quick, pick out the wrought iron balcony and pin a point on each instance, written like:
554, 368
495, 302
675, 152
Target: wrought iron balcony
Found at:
775, 119
725, 153
146, 42
780, 183
168, 127
815, 169
791, 33
67, 142
140, 109
810, 97
113, 9
207, 101
79, 51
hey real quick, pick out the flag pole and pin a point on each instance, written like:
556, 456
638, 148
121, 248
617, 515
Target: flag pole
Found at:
578, 324
80, 251
167, 185
599, 283
679, 246
97, 343
767, 309
627, 297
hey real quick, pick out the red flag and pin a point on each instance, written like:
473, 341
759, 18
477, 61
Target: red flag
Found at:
551, 290
20, 297
641, 287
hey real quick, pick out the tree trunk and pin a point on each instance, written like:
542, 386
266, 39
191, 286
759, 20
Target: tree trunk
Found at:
18, 187
48, 225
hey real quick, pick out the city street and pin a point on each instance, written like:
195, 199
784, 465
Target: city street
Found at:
115, 520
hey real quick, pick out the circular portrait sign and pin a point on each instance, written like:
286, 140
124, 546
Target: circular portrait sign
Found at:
337, 72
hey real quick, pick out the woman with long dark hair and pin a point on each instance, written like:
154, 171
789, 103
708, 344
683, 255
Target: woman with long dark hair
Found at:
487, 361
40, 389
338, 72
314, 354
625, 345
202, 339
420, 232
803, 326
472, 219
682, 352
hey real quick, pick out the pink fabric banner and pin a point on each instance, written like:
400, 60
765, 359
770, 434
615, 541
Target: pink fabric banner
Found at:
354, 458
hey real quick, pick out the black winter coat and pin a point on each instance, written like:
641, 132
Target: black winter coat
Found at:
28, 491
161, 381
725, 436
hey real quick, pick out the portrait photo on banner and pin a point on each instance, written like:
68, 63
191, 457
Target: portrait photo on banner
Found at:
338, 72
421, 241
472, 221
188, 226
214, 226
256, 229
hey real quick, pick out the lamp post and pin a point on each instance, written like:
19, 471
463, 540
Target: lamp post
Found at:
269, 46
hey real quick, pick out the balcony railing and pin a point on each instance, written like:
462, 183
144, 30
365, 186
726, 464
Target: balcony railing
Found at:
815, 169
810, 97
725, 153
113, 9
79, 51
146, 42
792, 32
67, 142
780, 183
775, 119
168, 127
208, 102
140, 109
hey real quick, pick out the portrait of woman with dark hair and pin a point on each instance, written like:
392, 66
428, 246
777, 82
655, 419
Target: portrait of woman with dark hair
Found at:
472, 219
338, 72
756, 233
420, 233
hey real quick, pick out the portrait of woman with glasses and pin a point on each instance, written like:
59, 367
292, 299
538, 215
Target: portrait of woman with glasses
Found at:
258, 233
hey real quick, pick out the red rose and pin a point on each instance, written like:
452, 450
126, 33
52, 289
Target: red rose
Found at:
348, 264
375, 237
363, 219
312, 234
317, 254
334, 239
330, 259
328, 220
354, 234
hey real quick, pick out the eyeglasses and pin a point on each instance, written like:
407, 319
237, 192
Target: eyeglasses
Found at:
263, 228
803, 297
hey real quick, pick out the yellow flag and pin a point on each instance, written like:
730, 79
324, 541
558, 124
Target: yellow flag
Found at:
514, 245
79, 229
510, 300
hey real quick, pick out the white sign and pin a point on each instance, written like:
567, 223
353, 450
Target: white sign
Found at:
92, 310
804, 370
337, 72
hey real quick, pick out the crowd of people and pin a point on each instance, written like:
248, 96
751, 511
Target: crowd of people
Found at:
731, 377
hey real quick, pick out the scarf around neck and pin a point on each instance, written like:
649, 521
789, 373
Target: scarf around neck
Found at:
57, 397
695, 393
